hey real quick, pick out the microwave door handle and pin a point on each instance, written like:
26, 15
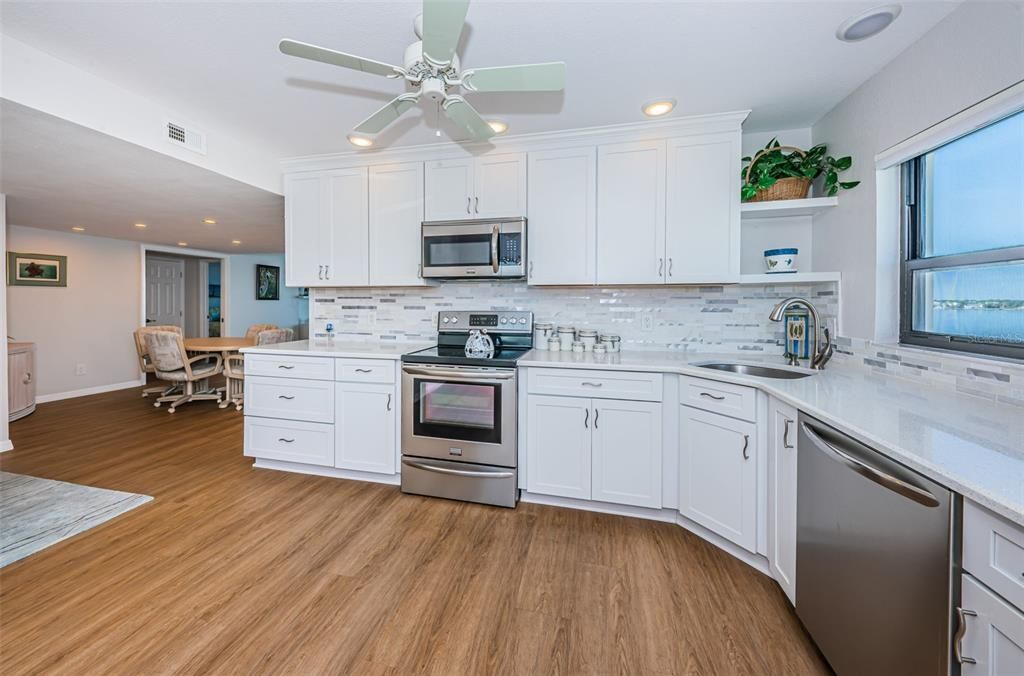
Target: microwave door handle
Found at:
495, 232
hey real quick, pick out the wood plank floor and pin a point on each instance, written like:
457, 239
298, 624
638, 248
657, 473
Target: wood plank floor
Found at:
236, 570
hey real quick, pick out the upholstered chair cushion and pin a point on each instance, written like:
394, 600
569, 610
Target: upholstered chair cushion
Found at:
199, 371
254, 330
271, 336
166, 351
143, 350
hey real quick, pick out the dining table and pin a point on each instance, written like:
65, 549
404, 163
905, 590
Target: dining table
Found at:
225, 345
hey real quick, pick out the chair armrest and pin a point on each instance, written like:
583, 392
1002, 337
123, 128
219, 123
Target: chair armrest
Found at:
206, 355
240, 358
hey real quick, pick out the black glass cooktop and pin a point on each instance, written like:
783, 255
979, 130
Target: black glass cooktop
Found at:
456, 356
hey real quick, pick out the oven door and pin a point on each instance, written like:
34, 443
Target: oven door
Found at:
459, 413
472, 250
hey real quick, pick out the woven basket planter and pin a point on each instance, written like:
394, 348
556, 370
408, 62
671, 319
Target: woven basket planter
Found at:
784, 188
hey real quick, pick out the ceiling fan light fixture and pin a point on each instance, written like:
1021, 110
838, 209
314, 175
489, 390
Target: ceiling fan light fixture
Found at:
78, 228
868, 24
210, 221
182, 243
140, 225
360, 141
236, 242
659, 108
499, 126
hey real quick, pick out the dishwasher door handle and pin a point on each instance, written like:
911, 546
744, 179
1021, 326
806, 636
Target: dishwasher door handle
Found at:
918, 495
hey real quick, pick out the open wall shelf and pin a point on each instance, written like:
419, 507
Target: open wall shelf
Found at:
787, 208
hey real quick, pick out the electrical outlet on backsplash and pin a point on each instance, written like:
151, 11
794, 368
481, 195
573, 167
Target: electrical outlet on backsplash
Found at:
695, 318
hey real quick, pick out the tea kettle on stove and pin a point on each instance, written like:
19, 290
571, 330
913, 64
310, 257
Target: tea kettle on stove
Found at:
479, 344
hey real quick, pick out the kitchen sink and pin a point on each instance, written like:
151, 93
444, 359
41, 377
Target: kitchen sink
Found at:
760, 371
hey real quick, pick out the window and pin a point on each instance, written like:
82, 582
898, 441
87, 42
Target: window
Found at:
962, 267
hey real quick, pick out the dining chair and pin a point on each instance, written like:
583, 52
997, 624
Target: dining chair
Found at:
234, 366
255, 329
172, 363
146, 364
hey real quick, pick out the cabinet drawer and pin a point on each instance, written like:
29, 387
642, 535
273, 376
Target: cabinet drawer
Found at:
289, 399
365, 370
596, 384
284, 366
994, 552
725, 398
289, 440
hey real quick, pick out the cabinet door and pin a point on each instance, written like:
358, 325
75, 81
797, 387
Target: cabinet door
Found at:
500, 186
304, 224
703, 209
994, 637
396, 215
348, 227
782, 458
631, 213
365, 427
626, 452
562, 243
449, 189
558, 446
718, 474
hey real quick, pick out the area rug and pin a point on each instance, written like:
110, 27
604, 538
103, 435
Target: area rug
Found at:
36, 513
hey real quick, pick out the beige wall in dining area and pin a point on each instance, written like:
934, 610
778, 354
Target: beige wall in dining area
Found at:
89, 322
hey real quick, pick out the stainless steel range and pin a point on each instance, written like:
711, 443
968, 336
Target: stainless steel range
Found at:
459, 411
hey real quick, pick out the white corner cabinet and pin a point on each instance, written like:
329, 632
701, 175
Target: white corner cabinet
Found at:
652, 203
323, 415
782, 458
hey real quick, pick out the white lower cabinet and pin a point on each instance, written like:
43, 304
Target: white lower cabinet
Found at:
782, 458
718, 474
992, 642
595, 449
365, 427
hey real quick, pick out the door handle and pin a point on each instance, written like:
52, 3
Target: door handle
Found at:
495, 232
785, 434
586, 418
961, 631
469, 200
389, 402
712, 396
746, 444
289, 397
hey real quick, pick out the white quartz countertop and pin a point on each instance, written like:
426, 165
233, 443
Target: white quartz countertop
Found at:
973, 446
322, 348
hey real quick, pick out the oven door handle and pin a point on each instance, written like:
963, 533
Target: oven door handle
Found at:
460, 376
457, 472
495, 232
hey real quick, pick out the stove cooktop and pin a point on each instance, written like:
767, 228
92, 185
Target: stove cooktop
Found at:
511, 331
456, 356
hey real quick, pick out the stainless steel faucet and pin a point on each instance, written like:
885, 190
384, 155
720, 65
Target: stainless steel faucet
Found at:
820, 354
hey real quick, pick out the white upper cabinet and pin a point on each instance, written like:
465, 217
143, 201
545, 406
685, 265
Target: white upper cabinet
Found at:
627, 452
449, 189
631, 213
305, 230
348, 217
562, 242
396, 215
491, 186
703, 209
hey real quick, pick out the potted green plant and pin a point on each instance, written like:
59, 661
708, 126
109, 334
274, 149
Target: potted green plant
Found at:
772, 174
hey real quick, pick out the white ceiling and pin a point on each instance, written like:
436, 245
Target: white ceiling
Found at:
58, 175
780, 59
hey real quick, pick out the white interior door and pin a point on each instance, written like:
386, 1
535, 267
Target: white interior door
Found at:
562, 248
165, 292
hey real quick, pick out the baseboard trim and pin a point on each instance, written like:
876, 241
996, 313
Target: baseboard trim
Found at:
85, 392
6, 445
333, 472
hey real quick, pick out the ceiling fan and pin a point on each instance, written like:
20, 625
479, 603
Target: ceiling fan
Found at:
432, 67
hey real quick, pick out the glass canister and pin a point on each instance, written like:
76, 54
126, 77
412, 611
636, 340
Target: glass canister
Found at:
577, 346
599, 350
554, 344
588, 338
611, 343
567, 335
542, 332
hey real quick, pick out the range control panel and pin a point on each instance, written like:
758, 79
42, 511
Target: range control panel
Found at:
500, 321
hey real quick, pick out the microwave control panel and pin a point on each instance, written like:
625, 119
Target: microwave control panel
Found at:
510, 249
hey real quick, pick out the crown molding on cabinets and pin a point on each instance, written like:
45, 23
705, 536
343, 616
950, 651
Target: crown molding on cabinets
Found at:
617, 133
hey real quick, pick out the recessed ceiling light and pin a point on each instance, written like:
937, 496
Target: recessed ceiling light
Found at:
182, 243
210, 221
659, 108
360, 141
236, 242
498, 126
868, 24
78, 228
140, 225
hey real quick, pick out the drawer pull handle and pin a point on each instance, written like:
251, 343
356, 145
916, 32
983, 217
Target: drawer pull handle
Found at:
285, 366
287, 441
286, 396
961, 631
711, 396
593, 384
746, 443
364, 370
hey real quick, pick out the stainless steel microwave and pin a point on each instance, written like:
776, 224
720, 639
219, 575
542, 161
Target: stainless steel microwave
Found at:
486, 248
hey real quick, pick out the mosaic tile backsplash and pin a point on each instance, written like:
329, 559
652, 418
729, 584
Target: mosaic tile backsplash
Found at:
698, 318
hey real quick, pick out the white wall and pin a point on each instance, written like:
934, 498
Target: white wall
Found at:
973, 53
5, 437
90, 321
245, 310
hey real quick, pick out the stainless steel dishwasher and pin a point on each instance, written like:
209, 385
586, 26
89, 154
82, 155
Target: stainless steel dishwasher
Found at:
874, 558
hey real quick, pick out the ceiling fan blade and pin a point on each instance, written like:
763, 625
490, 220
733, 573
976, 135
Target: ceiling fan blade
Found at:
532, 77
442, 26
314, 53
388, 114
464, 115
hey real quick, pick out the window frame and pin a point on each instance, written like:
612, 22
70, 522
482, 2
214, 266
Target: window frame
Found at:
912, 189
